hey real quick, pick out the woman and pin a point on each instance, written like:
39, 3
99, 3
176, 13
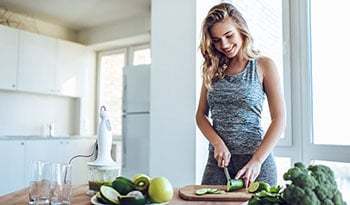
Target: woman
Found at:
236, 80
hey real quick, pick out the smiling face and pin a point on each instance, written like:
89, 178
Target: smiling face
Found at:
226, 38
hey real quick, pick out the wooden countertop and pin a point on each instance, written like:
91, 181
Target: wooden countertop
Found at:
80, 198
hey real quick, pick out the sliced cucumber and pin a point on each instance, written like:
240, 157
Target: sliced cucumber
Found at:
203, 191
235, 184
109, 194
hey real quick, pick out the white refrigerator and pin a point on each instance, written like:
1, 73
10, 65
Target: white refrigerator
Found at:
135, 129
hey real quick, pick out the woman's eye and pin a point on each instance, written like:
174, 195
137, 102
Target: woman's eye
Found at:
229, 36
215, 40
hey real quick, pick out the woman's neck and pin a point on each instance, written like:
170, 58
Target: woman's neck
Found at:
237, 65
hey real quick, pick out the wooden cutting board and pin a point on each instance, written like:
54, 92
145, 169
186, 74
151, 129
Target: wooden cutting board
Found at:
188, 193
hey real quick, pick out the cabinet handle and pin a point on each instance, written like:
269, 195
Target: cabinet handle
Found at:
13, 85
22, 143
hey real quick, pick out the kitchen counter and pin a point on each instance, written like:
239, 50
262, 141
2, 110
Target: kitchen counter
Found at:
80, 198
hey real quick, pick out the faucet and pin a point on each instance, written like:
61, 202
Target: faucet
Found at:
52, 129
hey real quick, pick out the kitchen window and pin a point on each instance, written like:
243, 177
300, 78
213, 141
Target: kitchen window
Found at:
328, 45
110, 83
302, 41
319, 87
110, 86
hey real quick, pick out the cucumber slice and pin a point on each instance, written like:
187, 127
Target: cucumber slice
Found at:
202, 191
109, 194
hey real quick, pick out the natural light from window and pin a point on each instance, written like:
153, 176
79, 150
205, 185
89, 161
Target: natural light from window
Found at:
330, 71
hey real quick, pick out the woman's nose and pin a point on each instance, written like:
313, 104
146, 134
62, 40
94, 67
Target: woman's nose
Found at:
224, 44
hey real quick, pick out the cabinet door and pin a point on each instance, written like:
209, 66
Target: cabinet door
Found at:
70, 67
51, 150
36, 63
8, 57
61, 150
12, 168
79, 165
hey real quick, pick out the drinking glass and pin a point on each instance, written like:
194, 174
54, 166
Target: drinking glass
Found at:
61, 184
39, 188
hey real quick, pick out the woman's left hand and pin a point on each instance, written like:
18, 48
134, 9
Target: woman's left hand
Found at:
249, 172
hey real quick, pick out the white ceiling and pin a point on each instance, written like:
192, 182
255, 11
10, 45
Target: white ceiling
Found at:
79, 14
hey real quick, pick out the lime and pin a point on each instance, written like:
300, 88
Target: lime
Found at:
258, 186
160, 190
253, 187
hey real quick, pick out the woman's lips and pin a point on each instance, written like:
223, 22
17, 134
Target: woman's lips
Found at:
230, 50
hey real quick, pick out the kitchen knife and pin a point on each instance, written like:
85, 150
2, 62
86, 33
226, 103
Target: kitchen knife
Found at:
227, 174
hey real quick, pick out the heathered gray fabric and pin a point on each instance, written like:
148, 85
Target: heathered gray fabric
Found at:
235, 104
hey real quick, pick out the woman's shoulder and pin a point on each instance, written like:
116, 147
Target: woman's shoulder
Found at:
264, 61
265, 66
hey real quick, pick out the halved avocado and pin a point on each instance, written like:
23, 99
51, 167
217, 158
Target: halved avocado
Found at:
132, 200
123, 185
101, 199
109, 195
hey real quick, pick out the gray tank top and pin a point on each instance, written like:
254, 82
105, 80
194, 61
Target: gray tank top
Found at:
235, 104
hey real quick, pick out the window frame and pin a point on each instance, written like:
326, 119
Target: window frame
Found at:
301, 102
132, 49
129, 54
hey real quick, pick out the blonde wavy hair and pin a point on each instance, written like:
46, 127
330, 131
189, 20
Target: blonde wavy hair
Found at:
215, 63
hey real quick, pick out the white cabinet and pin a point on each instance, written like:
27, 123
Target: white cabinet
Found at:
8, 57
61, 150
12, 168
70, 65
17, 155
36, 63
50, 66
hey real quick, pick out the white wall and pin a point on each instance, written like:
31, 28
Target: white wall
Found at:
173, 91
29, 114
202, 9
118, 30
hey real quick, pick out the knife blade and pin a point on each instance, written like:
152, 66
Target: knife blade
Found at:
227, 174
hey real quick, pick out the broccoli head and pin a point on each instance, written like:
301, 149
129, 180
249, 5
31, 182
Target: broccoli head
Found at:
296, 195
312, 185
300, 177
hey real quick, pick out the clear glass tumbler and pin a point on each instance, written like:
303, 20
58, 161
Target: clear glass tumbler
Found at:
61, 184
39, 188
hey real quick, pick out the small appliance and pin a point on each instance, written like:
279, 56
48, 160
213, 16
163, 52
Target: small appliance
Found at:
103, 170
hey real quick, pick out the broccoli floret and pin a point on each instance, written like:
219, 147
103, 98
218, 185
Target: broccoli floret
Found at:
294, 195
314, 185
322, 174
327, 202
338, 199
300, 177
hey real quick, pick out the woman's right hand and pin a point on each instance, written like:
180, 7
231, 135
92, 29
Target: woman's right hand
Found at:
221, 154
